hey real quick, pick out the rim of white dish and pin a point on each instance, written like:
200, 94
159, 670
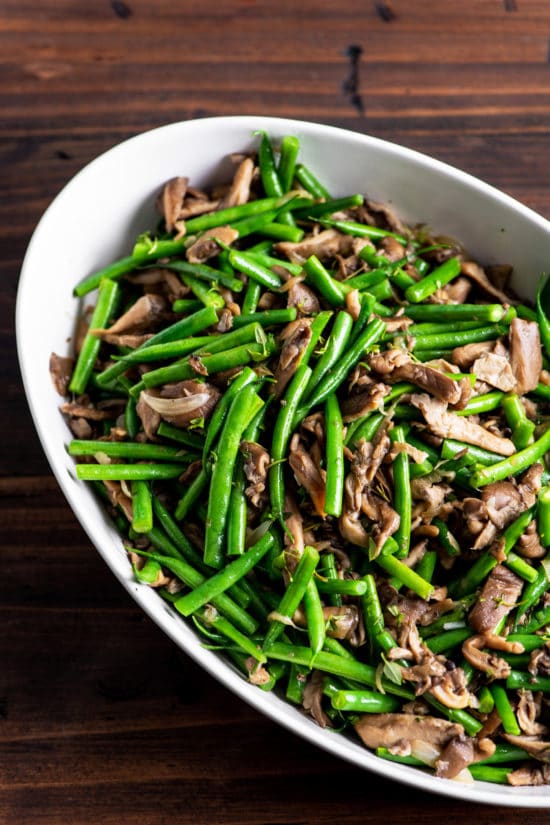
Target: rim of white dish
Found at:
219, 668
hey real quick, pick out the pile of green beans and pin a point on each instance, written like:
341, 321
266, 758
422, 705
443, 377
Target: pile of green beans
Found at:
262, 561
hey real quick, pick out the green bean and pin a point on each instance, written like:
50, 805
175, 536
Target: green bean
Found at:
365, 427
186, 305
334, 347
450, 340
522, 428
132, 422
245, 377
514, 464
517, 680
436, 279
449, 639
367, 280
334, 484
315, 619
543, 516
384, 753
446, 538
521, 567
361, 230
542, 391
475, 455
242, 409
380, 292
193, 578
297, 678
485, 563
482, 403
238, 512
206, 273
268, 261
349, 668
290, 146
328, 207
331, 289
128, 472
368, 337
364, 701
436, 327
540, 618
268, 173
220, 582
471, 725
126, 449
402, 493
211, 616
212, 363
107, 297
371, 255
310, 182
292, 596
505, 753
504, 710
487, 773
282, 430
317, 326
232, 214
192, 440
251, 298
191, 495
208, 295
161, 352
249, 266
180, 543
405, 575
368, 303
112, 272
267, 318
424, 355
542, 318
281, 232
183, 328
328, 570
426, 566
142, 508
374, 618
345, 587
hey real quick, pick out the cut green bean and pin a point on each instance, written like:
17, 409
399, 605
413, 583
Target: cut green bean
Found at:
402, 493
242, 409
142, 507
436, 279
364, 701
220, 582
334, 485
292, 597
127, 472
290, 146
513, 465
107, 297
310, 182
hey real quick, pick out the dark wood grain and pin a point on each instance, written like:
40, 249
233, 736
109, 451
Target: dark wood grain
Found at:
102, 719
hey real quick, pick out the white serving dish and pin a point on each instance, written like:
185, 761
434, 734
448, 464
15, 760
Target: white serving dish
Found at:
95, 220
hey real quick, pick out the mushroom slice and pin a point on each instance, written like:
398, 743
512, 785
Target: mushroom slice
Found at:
495, 370
525, 354
144, 316
296, 337
170, 200
397, 365
207, 247
450, 425
390, 730
489, 663
497, 598
461, 752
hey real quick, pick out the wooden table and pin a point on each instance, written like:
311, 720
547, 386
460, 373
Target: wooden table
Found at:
102, 719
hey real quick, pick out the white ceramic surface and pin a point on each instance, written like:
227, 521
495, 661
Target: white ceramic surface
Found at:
95, 219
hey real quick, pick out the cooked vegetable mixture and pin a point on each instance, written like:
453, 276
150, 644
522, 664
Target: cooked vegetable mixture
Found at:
322, 435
